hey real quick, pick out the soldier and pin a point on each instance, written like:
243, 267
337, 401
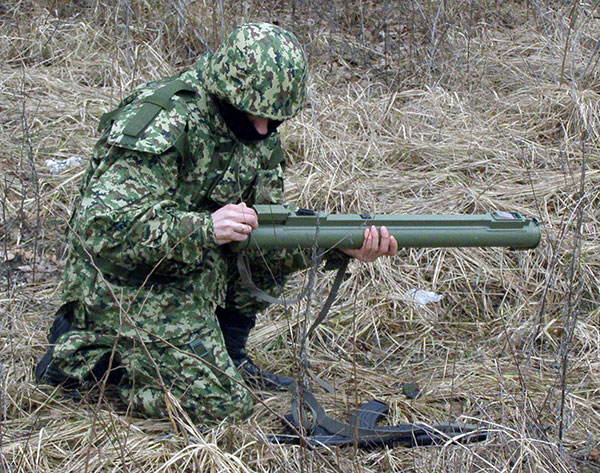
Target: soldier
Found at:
152, 300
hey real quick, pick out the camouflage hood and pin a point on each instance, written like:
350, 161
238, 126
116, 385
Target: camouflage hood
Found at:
260, 69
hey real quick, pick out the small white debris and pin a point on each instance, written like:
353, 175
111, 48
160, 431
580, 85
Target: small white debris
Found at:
56, 166
423, 297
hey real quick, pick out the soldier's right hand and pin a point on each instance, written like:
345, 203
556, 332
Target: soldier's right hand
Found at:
234, 222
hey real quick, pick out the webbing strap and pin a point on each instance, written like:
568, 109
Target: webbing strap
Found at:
181, 145
368, 414
244, 270
106, 118
339, 277
246, 276
336, 427
152, 106
163, 101
142, 118
364, 431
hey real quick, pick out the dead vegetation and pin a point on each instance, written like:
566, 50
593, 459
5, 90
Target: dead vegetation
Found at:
415, 107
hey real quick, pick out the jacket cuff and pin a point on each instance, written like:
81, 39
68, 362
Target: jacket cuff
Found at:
196, 235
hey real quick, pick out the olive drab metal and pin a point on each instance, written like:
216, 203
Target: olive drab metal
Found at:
282, 227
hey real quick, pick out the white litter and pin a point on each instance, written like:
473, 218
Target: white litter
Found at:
56, 166
423, 297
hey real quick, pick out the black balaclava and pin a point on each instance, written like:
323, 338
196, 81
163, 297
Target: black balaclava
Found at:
239, 123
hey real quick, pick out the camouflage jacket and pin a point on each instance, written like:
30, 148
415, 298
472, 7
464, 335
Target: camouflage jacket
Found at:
144, 254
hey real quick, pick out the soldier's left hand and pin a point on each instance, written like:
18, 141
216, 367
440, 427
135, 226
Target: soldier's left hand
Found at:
375, 245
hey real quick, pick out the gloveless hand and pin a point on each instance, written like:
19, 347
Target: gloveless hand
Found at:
374, 245
234, 222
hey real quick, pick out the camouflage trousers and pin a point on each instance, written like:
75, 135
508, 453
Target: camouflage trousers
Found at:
172, 341
195, 369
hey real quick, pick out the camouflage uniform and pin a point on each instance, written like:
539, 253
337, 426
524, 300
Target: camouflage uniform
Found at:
145, 274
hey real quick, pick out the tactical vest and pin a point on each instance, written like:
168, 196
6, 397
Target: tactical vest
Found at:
148, 110
151, 106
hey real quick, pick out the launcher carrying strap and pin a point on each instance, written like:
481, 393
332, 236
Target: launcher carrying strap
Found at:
362, 431
246, 276
309, 424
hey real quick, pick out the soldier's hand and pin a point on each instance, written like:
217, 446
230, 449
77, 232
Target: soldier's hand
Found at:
375, 245
234, 222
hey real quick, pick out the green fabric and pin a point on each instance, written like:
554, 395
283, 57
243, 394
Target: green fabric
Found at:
142, 119
195, 369
106, 118
153, 104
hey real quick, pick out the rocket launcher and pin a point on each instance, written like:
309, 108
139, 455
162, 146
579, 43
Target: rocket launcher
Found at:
281, 227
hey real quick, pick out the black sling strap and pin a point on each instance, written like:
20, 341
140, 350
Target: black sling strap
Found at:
246, 276
362, 430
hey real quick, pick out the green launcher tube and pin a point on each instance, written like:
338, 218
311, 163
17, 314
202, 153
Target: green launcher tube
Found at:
281, 227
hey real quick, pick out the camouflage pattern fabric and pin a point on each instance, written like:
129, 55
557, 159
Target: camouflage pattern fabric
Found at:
260, 69
145, 273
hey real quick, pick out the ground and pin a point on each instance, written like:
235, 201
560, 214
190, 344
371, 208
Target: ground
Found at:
414, 107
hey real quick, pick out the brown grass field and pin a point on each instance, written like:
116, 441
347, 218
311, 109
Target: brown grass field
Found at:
416, 106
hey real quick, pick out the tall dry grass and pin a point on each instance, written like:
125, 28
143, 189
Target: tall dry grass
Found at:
415, 107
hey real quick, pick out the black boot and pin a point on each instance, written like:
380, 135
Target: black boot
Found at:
46, 371
236, 328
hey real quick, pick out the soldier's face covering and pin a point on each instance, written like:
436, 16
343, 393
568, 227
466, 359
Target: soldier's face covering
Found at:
239, 123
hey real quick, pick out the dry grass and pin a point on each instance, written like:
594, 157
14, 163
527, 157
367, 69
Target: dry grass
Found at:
415, 107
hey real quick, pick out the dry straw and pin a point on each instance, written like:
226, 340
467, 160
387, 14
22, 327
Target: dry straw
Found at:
415, 107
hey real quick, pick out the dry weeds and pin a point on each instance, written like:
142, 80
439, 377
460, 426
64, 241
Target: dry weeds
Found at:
415, 107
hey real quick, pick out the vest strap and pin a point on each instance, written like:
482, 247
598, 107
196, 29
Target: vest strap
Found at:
152, 105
